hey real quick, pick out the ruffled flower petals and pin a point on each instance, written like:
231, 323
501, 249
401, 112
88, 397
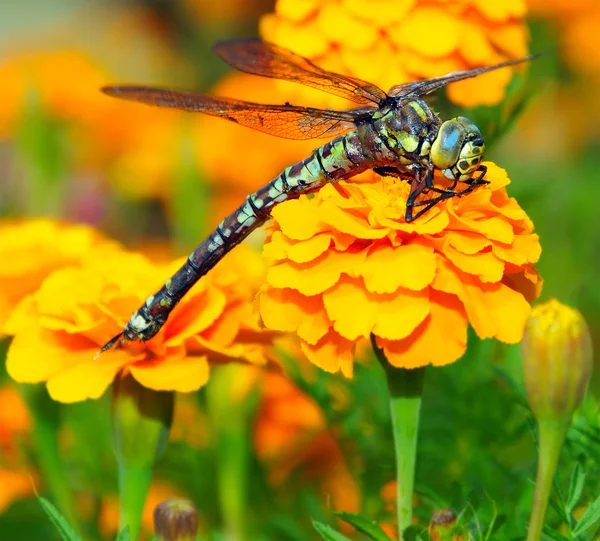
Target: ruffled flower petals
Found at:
177, 373
494, 309
287, 310
439, 340
388, 268
317, 276
357, 313
298, 222
332, 353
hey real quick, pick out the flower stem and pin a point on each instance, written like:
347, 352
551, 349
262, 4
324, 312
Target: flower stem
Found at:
551, 437
133, 489
405, 387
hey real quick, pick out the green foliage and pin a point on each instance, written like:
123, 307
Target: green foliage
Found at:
66, 531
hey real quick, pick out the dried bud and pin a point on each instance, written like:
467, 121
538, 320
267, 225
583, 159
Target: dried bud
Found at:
176, 519
443, 525
557, 360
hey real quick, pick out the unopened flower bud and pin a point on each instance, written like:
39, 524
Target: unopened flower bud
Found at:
557, 360
141, 422
176, 519
442, 525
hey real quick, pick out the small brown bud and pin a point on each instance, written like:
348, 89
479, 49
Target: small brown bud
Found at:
557, 360
442, 525
176, 519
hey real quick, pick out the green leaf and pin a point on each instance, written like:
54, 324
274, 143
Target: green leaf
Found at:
64, 528
415, 533
123, 534
328, 533
553, 534
576, 487
590, 518
364, 525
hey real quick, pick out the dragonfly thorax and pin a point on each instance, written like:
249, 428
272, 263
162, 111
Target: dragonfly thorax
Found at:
458, 148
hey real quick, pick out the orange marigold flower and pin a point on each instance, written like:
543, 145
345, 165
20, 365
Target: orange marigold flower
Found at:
291, 433
33, 249
15, 484
394, 41
344, 265
58, 330
15, 421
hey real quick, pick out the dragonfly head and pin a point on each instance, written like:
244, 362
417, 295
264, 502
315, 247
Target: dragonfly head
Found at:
458, 148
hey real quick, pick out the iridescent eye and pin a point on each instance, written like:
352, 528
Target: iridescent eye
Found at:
446, 147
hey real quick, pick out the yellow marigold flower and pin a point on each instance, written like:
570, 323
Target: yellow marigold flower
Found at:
345, 265
394, 41
32, 249
58, 330
291, 433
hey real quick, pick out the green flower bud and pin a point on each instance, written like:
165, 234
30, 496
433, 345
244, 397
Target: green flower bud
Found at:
557, 360
141, 422
176, 519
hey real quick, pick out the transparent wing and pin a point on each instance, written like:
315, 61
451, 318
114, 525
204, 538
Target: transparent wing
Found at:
269, 60
286, 121
420, 88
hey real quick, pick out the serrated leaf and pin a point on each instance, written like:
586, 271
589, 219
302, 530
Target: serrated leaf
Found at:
363, 525
64, 528
590, 517
575, 487
553, 534
123, 534
328, 533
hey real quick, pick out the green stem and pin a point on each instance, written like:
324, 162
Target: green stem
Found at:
406, 388
232, 479
133, 489
551, 437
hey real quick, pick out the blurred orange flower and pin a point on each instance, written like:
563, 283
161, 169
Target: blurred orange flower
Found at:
344, 265
388, 42
15, 421
291, 434
58, 330
137, 146
32, 249
15, 484
578, 24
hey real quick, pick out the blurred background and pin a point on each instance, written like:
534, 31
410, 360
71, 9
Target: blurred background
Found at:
158, 180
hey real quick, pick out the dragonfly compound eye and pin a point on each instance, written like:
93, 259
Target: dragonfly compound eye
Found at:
446, 147
471, 153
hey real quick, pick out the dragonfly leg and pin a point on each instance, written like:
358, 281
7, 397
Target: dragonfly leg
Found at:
417, 186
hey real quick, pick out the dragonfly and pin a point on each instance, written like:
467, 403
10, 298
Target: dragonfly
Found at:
394, 133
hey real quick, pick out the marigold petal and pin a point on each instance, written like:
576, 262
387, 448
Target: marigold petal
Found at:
199, 312
467, 242
318, 275
176, 373
332, 353
388, 268
297, 10
525, 248
494, 310
356, 313
486, 89
486, 264
34, 344
339, 26
439, 340
348, 222
527, 282
297, 219
87, 377
304, 251
441, 28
